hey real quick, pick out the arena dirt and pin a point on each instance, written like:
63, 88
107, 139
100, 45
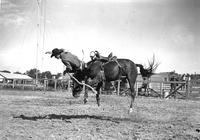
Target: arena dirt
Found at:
57, 115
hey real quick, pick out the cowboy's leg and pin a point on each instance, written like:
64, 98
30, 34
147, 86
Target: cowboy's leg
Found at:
98, 92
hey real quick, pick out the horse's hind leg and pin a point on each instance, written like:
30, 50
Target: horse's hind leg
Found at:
132, 100
98, 92
133, 93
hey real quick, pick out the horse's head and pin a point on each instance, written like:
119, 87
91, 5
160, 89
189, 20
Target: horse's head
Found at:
91, 70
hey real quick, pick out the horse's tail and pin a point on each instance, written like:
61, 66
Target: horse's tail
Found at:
144, 72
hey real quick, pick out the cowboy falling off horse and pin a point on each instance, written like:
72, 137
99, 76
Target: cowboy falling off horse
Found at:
98, 70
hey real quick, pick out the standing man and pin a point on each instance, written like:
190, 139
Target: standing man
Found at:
71, 61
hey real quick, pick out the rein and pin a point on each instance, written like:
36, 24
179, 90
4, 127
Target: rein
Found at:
83, 84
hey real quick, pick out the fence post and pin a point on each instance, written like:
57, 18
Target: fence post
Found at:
136, 86
69, 86
13, 83
55, 84
35, 83
45, 84
4, 82
161, 89
188, 88
23, 83
118, 87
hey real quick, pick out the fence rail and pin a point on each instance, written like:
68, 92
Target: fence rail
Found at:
40, 84
182, 89
186, 88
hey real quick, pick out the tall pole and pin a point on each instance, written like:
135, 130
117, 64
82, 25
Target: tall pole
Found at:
1, 4
41, 26
43, 10
38, 37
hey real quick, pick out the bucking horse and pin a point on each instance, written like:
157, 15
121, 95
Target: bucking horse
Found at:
101, 69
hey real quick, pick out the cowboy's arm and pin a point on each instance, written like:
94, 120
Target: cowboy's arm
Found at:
68, 67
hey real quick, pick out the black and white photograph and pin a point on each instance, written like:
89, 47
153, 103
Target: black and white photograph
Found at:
99, 69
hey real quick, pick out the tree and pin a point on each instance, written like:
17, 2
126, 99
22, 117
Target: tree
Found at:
6, 71
58, 75
46, 74
32, 73
17, 72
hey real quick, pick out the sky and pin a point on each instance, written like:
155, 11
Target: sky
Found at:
133, 29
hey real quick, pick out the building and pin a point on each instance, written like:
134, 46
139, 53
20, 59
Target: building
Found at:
159, 77
12, 79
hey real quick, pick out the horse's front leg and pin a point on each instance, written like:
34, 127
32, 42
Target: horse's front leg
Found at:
85, 94
99, 85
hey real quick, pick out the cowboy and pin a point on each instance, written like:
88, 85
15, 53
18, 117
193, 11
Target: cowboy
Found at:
71, 61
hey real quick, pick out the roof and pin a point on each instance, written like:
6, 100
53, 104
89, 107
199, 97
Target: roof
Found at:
14, 76
159, 77
155, 77
1, 77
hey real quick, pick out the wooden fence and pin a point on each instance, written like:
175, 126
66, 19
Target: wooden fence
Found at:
159, 88
165, 89
40, 84
182, 89
17, 83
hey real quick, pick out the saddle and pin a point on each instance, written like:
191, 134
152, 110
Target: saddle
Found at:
105, 60
97, 56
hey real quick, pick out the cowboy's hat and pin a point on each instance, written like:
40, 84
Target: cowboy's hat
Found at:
56, 52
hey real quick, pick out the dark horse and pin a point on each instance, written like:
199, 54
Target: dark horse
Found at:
99, 70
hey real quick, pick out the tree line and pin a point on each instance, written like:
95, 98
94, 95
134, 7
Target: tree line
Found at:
41, 75
47, 74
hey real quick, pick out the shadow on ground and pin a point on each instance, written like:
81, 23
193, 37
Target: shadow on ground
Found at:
68, 117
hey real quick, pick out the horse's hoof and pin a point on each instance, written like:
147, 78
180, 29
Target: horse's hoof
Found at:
85, 101
130, 110
76, 96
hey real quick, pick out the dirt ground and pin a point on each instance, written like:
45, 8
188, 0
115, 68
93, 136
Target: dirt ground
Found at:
57, 115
